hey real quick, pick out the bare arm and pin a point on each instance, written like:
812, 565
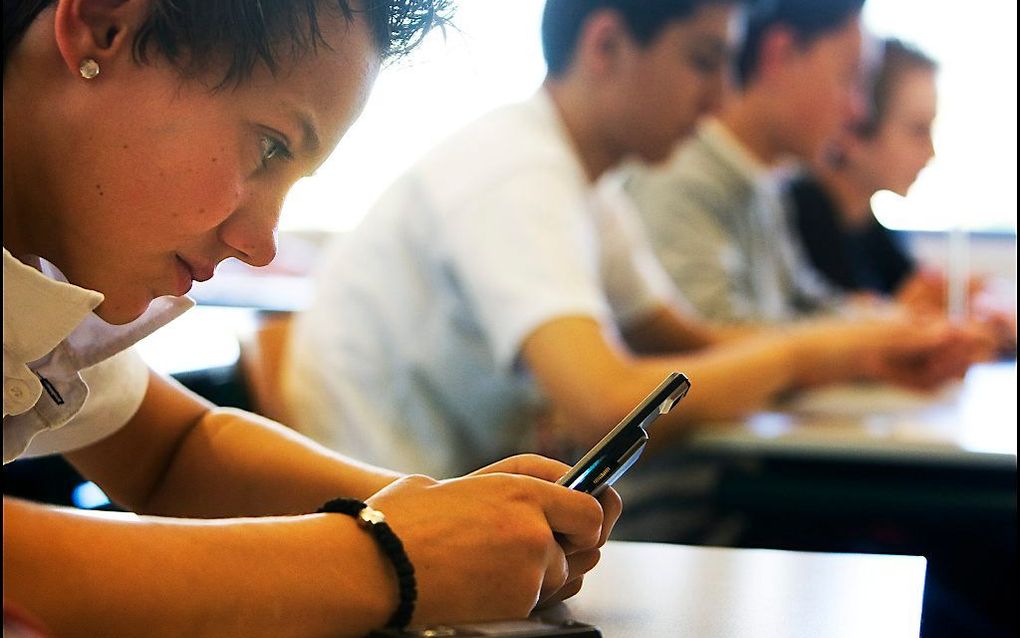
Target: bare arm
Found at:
592, 382
666, 331
120, 574
97, 574
103, 574
180, 456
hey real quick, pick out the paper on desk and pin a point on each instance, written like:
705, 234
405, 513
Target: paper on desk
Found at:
863, 399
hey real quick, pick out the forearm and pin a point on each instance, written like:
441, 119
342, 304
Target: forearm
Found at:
96, 574
234, 463
180, 456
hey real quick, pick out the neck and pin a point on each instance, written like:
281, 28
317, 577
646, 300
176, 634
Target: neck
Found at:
851, 199
746, 118
581, 121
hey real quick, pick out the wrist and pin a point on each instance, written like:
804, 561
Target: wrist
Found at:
373, 523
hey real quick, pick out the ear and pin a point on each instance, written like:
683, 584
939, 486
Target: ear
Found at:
99, 29
602, 44
776, 50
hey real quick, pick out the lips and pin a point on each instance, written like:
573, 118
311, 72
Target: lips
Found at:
188, 271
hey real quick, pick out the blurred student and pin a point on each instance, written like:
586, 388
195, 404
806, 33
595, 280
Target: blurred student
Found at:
491, 302
716, 212
885, 150
145, 142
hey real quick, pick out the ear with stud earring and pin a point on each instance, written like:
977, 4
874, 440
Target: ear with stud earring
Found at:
88, 68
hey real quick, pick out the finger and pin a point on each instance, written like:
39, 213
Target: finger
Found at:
612, 506
569, 589
574, 516
581, 563
578, 565
557, 572
528, 465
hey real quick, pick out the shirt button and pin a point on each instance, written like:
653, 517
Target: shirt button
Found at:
15, 389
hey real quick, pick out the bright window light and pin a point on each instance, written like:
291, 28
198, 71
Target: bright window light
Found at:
493, 56
971, 183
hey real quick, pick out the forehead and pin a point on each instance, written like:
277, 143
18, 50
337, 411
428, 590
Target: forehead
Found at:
914, 92
715, 24
330, 82
843, 45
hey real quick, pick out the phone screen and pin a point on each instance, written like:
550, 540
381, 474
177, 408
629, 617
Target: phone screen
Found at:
618, 450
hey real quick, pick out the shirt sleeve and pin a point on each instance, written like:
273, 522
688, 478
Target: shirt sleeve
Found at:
635, 283
526, 252
116, 387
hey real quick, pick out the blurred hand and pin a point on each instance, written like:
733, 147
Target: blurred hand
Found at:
925, 292
496, 543
924, 357
917, 354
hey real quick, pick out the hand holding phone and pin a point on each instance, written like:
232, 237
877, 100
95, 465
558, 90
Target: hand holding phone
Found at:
618, 450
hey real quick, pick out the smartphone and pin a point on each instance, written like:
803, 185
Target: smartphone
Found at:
618, 450
530, 628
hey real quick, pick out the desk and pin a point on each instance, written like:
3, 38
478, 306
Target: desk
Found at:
972, 424
856, 470
949, 461
651, 590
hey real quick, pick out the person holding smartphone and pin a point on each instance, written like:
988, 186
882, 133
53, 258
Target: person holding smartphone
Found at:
144, 142
507, 300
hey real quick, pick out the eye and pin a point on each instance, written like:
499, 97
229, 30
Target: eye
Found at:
270, 148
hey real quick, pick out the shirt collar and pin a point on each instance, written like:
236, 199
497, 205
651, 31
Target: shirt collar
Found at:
543, 104
735, 151
30, 295
41, 309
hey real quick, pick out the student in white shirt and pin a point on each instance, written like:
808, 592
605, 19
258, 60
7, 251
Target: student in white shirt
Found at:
488, 292
145, 142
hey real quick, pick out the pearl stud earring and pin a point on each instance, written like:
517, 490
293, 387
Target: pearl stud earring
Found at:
88, 68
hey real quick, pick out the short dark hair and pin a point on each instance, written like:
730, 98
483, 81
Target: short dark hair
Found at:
244, 33
898, 58
806, 19
562, 21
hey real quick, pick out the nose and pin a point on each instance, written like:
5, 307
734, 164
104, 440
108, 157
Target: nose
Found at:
250, 232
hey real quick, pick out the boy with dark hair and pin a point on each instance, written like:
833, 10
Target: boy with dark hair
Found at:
716, 212
490, 303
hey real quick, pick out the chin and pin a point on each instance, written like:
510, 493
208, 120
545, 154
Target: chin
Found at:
119, 311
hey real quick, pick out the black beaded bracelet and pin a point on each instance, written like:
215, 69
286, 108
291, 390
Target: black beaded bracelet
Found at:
374, 521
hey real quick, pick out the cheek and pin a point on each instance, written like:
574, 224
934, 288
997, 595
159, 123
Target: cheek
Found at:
196, 196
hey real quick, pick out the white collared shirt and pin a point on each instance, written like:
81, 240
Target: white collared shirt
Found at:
409, 354
69, 377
